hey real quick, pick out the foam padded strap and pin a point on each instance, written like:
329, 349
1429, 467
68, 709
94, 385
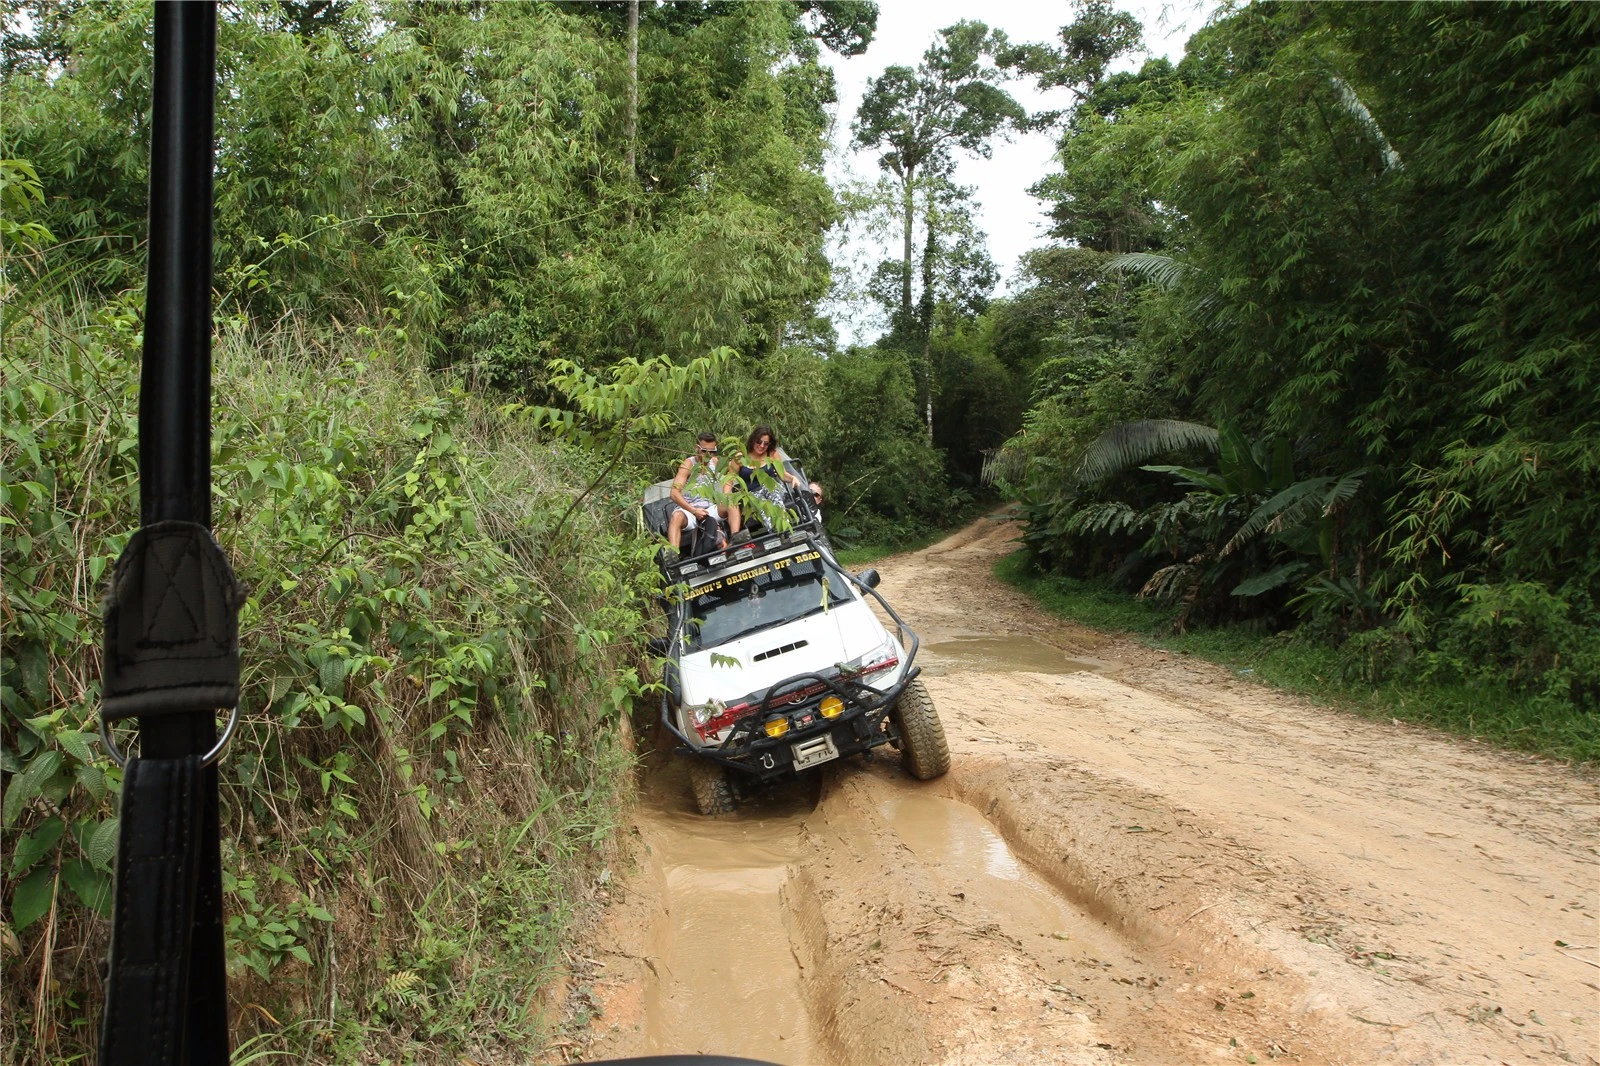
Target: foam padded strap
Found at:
172, 625
166, 987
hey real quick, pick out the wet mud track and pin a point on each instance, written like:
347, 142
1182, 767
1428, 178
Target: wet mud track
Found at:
1135, 858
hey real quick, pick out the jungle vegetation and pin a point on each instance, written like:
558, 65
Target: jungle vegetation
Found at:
1316, 349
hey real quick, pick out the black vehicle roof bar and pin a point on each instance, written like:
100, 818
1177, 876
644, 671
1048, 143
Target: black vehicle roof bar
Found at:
171, 642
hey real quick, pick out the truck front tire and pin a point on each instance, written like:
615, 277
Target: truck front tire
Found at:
713, 794
923, 748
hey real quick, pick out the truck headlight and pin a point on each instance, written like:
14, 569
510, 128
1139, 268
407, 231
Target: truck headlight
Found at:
704, 712
875, 661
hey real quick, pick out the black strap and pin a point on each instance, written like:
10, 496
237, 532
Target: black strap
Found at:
166, 990
171, 658
171, 654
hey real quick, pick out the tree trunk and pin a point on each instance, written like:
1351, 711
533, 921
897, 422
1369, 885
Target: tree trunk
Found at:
633, 90
905, 265
930, 249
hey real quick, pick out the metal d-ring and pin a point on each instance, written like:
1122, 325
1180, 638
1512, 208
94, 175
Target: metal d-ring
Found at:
205, 760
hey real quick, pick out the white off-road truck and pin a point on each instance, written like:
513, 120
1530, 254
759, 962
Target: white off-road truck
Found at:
776, 663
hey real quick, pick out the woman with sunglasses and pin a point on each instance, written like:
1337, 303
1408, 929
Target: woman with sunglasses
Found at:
763, 455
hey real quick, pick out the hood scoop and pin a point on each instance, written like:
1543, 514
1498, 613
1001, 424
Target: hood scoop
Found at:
772, 653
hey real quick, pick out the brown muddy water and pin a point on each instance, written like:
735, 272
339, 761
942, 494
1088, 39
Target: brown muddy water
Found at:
1019, 653
723, 903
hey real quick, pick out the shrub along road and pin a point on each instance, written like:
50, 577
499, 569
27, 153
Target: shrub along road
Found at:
1135, 857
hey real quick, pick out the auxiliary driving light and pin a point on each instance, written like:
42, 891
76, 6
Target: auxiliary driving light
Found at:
776, 727
832, 707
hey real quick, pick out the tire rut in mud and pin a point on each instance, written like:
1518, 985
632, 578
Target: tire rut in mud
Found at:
887, 920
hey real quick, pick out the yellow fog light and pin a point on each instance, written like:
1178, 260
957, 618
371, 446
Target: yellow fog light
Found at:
832, 707
776, 727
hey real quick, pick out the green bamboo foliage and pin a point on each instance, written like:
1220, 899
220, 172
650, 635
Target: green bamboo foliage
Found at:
1367, 232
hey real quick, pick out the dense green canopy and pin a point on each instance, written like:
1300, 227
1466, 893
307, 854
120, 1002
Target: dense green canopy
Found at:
1364, 234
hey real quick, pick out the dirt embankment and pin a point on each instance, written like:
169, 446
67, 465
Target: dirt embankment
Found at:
1135, 858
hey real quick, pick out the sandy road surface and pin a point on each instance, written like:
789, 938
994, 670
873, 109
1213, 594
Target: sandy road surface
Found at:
1135, 858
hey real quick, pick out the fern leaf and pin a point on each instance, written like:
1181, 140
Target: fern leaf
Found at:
400, 983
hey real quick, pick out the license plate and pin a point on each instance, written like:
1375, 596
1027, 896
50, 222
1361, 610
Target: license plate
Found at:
814, 752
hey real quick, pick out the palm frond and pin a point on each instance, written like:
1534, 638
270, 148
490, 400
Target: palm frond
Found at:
1170, 582
1162, 270
1274, 578
1004, 464
1106, 518
1200, 479
1132, 443
1317, 496
1342, 492
1324, 505
1269, 512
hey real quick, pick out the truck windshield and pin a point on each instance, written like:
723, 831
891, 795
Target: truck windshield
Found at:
768, 593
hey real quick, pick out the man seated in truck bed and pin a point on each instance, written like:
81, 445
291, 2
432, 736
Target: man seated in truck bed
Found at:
694, 491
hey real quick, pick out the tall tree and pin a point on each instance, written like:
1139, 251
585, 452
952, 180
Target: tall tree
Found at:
633, 91
1089, 44
917, 120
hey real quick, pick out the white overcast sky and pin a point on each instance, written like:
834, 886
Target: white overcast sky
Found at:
1013, 220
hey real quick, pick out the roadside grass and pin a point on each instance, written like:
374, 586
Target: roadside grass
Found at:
1482, 710
427, 768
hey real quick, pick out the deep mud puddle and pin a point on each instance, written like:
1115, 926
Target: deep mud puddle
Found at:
723, 978
1096, 883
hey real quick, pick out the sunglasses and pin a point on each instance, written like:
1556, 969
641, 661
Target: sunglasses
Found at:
708, 451
764, 442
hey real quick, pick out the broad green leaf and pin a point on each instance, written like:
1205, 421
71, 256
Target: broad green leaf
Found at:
331, 674
101, 847
31, 897
28, 784
91, 886
76, 744
93, 780
35, 845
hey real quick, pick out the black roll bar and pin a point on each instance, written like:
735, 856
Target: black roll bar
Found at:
175, 379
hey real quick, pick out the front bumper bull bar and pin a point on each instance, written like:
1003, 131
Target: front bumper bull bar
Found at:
858, 728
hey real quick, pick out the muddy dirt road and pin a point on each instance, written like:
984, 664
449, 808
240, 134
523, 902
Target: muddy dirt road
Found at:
1134, 858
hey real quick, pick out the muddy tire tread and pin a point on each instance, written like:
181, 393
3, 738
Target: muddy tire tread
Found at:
923, 748
713, 794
